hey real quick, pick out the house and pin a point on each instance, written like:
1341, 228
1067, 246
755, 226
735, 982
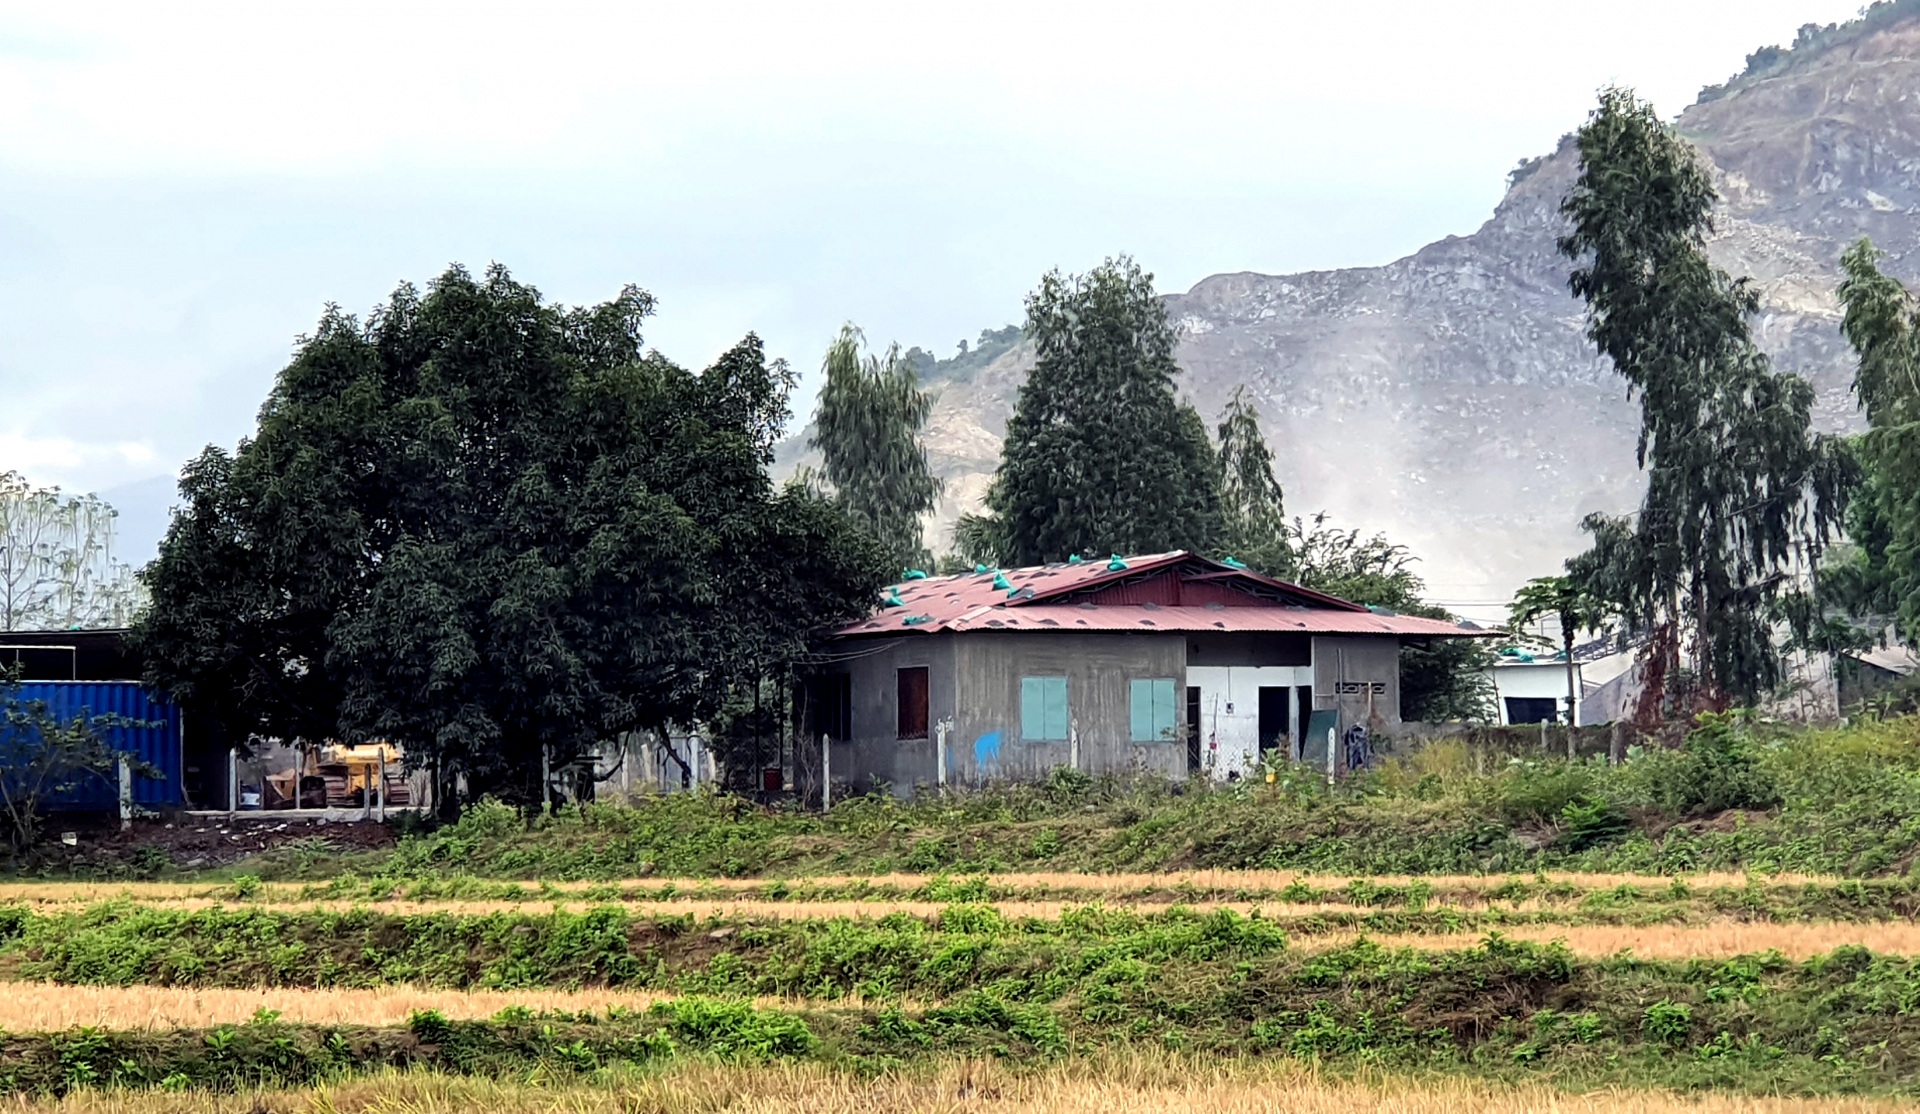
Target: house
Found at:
1171, 664
1530, 688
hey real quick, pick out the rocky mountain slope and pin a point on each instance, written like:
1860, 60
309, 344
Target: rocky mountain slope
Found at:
1450, 397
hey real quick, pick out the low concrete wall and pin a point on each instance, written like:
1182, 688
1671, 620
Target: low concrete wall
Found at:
1524, 741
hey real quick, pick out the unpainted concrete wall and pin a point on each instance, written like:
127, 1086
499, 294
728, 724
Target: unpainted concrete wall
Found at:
1369, 662
876, 754
974, 687
1256, 648
986, 744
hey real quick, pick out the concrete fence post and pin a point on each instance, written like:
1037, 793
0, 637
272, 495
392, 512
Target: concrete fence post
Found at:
233, 782
125, 771
826, 774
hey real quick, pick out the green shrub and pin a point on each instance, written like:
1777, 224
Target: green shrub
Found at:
736, 1030
1667, 1022
1718, 769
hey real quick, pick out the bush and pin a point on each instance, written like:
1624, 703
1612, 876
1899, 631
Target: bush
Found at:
1717, 770
1667, 1022
736, 1030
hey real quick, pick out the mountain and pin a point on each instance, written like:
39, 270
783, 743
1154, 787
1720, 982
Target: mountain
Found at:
1451, 399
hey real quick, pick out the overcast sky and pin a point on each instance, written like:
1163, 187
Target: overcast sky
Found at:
184, 186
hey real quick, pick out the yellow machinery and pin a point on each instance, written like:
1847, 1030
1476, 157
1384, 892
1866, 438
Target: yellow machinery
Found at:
335, 775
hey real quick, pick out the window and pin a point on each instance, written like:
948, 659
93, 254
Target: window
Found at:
1532, 709
1153, 710
912, 690
1043, 709
833, 706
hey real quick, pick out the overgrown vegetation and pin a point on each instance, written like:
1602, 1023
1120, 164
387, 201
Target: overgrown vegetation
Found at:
1833, 1024
1739, 795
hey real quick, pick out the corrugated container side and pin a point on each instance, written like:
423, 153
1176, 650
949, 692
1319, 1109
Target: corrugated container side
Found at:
153, 735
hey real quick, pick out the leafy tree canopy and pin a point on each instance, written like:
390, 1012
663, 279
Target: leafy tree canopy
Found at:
1740, 493
1443, 681
1100, 454
1877, 576
483, 526
1252, 503
867, 428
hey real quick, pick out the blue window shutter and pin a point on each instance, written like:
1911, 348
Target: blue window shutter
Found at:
1141, 706
1152, 710
1033, 708
1043, 709
1163, 715
1057, 708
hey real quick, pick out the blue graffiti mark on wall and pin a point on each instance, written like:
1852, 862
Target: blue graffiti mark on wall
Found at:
986, 750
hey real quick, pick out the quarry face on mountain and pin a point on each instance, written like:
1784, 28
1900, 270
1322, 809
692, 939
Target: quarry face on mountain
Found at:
1452, 399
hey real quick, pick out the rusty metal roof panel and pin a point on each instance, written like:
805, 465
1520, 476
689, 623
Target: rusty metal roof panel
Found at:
1288, 620
1017, 599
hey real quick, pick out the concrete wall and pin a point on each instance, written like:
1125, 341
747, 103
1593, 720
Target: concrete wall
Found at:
1249, 648
1540, 680
1367, 667
986, 743
876, 754
1230, 712
974, 689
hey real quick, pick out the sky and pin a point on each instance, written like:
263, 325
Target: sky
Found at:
185, 186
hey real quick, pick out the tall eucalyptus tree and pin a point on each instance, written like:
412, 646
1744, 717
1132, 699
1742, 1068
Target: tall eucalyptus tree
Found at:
1740, 491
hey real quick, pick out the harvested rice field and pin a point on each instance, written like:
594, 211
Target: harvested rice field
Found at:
1135, 1085
31, 1007
1187, 886
985, 992
1720, 940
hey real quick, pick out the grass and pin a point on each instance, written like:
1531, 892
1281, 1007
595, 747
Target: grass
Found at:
1734, 917
1165, 888
868, 994
1135, 1083
1742, 797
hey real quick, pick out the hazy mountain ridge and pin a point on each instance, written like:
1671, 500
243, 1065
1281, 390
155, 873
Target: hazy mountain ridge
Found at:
1451, 397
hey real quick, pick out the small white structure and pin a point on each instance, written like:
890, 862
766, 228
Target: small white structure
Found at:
1530, 689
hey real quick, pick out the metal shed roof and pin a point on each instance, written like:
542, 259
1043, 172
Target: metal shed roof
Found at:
1051, 597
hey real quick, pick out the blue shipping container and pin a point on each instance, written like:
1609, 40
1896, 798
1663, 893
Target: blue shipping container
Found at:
154, 738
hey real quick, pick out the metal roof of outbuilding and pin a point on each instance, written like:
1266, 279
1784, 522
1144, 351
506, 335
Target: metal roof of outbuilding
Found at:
1040, 598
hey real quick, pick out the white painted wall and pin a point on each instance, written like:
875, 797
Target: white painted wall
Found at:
1547, 679
1230, 711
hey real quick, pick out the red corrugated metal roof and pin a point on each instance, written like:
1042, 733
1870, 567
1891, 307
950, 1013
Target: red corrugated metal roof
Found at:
1044, 598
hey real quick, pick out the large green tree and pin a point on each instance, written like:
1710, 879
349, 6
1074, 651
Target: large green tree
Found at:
1252, 504
491, 529
1740, 492
1101, 455
867, 427
1879, 578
